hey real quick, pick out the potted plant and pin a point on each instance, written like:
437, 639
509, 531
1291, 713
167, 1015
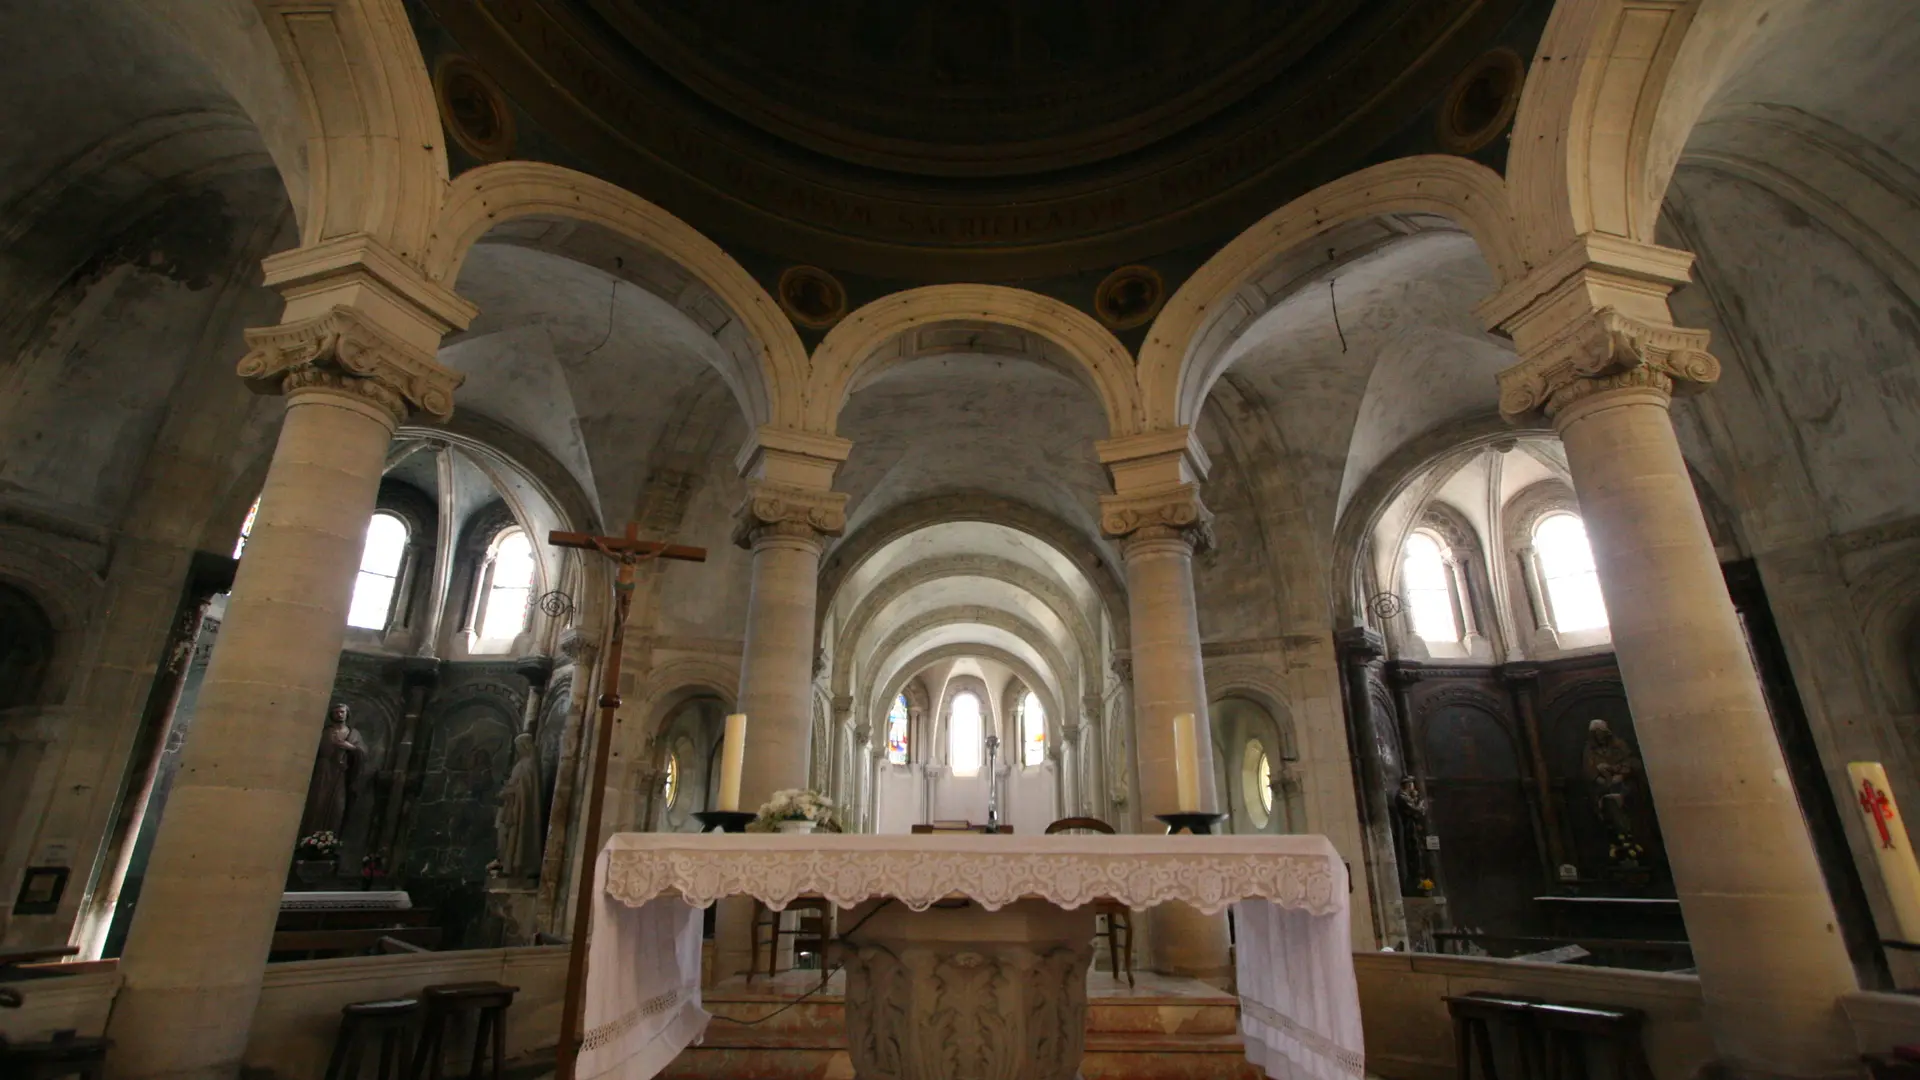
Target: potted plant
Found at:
793, 810
314, 858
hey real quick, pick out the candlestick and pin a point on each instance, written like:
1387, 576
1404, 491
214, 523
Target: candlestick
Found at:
1186, 761
1887, 835
733, 753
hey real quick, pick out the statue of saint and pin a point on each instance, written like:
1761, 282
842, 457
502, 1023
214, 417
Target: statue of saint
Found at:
335, 769
516, 824
1612, 770
1410, 813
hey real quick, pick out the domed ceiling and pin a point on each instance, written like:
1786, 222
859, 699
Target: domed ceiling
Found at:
971, 139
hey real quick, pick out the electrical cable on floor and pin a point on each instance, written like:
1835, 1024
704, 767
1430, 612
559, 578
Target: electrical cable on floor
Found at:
823, 979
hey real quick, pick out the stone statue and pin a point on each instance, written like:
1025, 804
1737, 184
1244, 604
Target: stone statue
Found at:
1410, 813
1612, 770
335, 769
516, 824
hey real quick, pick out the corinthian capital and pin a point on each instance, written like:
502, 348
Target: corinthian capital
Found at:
1605, 350
781, 510
1173, 512
343, 351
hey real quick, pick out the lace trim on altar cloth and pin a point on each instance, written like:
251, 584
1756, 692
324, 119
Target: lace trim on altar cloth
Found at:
1209, 882
1348, 1062
606, 1033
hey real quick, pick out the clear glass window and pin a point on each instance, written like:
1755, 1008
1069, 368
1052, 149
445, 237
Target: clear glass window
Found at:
1566, 570
964, 738
509, 588
1033, 730
1423, 575
1266, 782
671, 790
380, 559
897, 731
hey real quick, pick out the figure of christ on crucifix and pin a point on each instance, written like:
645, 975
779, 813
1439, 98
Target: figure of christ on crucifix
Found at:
1879, 808
627, 551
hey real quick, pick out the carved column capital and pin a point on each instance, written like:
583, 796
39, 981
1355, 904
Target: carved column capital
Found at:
577, 647
343, 352
1602, 351
1171, 513
862, 733
1122, 668
773, 510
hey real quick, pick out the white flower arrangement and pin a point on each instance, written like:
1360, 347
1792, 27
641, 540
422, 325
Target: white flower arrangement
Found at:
792, 804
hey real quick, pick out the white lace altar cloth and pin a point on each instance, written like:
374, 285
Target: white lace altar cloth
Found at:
1299, 1003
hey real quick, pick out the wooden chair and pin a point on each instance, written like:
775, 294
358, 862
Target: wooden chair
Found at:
960, 827
1474, 1017
1566, 1029
1118, 928
392, 1021
811, 934
487, 1001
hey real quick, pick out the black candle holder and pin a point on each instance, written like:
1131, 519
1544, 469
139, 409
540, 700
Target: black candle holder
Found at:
723, 820
1195, 823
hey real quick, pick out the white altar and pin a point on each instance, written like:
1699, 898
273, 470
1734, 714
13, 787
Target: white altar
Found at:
1299, 1005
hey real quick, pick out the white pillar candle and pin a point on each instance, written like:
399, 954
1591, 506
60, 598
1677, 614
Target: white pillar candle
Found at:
1186, 761
1887, 835
733, 752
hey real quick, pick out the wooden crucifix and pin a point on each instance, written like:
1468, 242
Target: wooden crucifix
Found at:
627, 552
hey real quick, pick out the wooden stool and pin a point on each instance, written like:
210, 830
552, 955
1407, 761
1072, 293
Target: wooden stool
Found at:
1473, 1018
1566, 1029
488, 1002
63, 1055
392, 1020
1119, 927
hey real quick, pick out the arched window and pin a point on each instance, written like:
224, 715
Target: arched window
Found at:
506, 586
964, 738
1033, 730
1266, 782
671, 788
246, 529
1256, 779
380, 559
897, 731
1427, 583
1566, 573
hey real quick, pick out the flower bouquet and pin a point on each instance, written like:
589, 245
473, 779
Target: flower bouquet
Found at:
794, 810
316, 847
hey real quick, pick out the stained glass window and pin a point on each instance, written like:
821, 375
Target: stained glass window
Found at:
897, 731
1566, 569
1033, 730
379, 572
246, 529
964, 743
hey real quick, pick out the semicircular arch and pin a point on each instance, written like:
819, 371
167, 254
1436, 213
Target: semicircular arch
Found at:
898, 681
1019, 629
1466, 192
485, 197
851, 345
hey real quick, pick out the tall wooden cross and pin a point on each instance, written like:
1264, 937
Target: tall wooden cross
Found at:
627, 551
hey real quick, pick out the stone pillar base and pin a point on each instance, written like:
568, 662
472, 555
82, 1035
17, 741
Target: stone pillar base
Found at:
964, 992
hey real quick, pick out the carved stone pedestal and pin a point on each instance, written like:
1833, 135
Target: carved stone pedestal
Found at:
962, 993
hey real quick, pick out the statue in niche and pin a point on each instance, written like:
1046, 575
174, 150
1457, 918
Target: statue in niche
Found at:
335, 769
1612, 770
1410, 814
516, 824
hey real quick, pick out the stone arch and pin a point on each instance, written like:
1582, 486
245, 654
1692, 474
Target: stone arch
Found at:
64, 589
1462, 191
850, 347
376, 166
994, 618
1611, 97
909, 675
1012, 573
675, 682
910, 517
774, 393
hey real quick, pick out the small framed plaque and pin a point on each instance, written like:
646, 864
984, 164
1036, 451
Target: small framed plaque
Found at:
40, 890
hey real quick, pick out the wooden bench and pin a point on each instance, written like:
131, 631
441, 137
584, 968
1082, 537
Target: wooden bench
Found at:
1551, 1037
353, 942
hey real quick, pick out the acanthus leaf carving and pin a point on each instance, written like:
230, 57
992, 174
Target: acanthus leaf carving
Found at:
1606, 350
1175, 512
783, 510
344, 351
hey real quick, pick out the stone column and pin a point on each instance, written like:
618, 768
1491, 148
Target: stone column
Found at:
198, 945
788, 514
1378, 775
1601, 361
1160, 522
